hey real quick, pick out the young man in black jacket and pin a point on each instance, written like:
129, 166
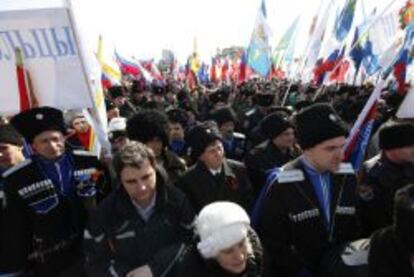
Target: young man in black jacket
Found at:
310, 206
141, 228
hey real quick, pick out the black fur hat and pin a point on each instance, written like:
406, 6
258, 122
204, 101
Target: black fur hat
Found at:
396, 135
32, 122
146, 125
317, 123
223, 115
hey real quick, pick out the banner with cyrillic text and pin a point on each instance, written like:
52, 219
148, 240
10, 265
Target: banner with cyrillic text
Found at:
51, 59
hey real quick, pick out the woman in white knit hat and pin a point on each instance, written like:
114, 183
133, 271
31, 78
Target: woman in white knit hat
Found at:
227, 245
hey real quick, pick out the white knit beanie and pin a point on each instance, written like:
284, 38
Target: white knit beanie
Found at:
220, 225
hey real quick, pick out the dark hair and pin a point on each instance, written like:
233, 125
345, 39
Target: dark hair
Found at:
132, 154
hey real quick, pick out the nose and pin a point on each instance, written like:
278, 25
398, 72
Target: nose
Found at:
239, 256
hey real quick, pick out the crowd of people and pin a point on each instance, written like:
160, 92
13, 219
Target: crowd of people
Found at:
218, 180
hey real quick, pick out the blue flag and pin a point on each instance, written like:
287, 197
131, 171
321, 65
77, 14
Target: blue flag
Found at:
344, 21
357, 52
259, 50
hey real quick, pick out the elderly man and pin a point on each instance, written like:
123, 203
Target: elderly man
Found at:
47, 198
141, 228
311, 205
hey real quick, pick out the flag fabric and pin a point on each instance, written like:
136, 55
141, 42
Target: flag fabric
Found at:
406, 108
225, 71
400, 66
242, 67
315, 41
285, 47
263, 8
213, 71
344, 21
22, 82
327, 65
355, 152
357, 52
358, 138
202, 74
127, 67
338, 75
259, 49
111, 74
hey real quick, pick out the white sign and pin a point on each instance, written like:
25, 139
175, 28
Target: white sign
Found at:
51, 55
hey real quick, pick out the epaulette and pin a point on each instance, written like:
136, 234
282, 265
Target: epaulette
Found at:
83, 153
16, 167
345, 168
250, 112
288, 176
371, 162
238, 135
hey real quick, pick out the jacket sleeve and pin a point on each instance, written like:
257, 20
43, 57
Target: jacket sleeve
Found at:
16, 235
282, 259
164, 260
98, 248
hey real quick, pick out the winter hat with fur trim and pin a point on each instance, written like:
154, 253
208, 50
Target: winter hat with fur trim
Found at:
220, 225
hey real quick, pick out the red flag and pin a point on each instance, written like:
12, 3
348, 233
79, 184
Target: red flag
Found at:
213, 72
27, 97
339, 74
224, 71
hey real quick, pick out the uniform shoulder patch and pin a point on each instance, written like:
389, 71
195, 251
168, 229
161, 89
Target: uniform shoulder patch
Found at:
345, 168
16, 167
239, 135
292, 175
250, 112
83, 153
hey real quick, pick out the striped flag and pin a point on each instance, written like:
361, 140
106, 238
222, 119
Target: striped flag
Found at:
360, 133
27, 97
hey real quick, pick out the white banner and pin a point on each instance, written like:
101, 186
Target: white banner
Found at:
51, 55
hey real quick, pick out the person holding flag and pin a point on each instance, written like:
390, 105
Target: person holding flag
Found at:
48, 196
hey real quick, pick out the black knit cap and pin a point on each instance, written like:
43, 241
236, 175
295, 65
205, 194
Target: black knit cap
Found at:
178, 116
220, 95
109, 105
274, 124
32, 122
200, 136
317, 123
9, 135
396, 135
158, 88
404, 216
116, 91
147, 125
264, 99
223, 115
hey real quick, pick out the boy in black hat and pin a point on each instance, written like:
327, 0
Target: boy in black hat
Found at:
276, 150
263, 102
387, 172
234, 143
11, 154
151, 128
117, 94
213, 177
48, 197
178, 122
310, 206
